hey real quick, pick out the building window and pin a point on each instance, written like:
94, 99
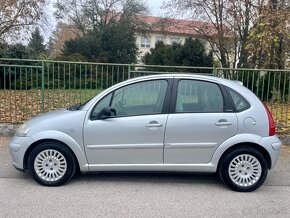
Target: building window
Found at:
174, 41
160, 39
145, 42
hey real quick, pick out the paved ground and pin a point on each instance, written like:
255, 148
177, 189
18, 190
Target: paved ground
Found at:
142, 195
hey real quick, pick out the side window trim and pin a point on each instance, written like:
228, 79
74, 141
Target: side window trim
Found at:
112, 97
227, 107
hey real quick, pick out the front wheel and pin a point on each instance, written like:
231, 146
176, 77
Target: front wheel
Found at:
243, 169
51, 164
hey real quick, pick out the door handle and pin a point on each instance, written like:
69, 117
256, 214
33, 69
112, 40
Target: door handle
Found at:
153, 124
223, 123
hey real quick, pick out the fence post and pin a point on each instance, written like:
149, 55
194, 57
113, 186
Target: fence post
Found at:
214, 72
42, 86
129, 71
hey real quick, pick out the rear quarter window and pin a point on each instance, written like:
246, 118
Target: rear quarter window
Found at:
240, 103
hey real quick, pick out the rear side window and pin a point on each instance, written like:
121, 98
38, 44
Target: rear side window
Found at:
240, 103
198, 97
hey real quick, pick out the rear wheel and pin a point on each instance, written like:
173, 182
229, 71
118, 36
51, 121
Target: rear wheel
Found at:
51, 164
243, 169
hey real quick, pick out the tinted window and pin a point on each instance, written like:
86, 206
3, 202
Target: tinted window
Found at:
137, 99
240, 103
198, 96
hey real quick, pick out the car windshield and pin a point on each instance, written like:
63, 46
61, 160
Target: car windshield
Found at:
80, 106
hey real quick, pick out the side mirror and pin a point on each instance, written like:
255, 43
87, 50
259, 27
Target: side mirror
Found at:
106, 113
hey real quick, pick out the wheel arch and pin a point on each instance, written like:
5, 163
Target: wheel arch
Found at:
258, 147
34, 144
239, 140
66, 140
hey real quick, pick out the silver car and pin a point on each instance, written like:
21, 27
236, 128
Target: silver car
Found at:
171, 123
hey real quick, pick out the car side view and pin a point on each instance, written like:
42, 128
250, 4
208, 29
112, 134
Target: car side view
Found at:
164, 123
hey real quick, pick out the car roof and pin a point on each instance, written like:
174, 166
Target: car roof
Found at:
185, 76
175, 75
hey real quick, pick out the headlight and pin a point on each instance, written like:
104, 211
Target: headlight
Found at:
22, 130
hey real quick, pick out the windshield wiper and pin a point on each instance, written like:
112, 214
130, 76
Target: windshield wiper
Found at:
75, 107
78, 106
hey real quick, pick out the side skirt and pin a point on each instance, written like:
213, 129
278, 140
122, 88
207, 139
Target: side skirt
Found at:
209, 167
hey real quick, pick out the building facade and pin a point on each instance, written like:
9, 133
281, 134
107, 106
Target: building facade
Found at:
168, 31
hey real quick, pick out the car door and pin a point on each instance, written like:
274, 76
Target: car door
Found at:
200, 119
135, 135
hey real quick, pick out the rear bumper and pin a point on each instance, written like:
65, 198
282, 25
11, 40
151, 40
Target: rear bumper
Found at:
273, 145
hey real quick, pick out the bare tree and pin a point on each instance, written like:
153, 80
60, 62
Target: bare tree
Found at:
239, 27
240, 15
215, 13
16, 15
92, 15
231, 21
71, 11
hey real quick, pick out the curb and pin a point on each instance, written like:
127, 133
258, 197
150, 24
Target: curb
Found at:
8, 130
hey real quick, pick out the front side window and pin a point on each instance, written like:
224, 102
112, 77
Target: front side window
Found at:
136, 99
198, 97
104, 102
145, 42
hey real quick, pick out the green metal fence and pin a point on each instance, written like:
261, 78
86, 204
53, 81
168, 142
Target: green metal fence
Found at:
271, 86
29, 87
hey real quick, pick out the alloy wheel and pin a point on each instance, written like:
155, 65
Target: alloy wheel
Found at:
245, 170
50, 165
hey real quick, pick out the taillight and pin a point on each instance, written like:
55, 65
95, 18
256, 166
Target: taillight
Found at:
272, 129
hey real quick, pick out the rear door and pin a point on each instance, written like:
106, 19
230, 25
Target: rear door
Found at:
201, 118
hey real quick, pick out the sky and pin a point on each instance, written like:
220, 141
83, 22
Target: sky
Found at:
154, 7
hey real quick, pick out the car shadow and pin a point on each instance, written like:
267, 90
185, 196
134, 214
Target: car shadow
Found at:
153, 178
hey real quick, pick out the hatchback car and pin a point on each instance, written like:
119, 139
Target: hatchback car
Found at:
172, 123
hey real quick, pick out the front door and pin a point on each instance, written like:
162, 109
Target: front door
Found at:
200, 120
135, 135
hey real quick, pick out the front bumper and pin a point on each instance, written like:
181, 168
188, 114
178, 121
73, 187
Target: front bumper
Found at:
17, 148
273, 145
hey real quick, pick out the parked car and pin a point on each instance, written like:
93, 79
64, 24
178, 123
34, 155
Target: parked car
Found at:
184, 123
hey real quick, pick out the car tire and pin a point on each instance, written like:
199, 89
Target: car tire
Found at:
51, 163
243, 169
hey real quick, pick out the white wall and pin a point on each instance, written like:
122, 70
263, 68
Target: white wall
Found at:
153, 40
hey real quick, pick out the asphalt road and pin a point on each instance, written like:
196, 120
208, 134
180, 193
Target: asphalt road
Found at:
142, 195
